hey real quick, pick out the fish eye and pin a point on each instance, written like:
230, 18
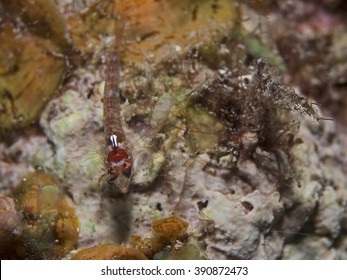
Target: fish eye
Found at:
127, 165
127, 168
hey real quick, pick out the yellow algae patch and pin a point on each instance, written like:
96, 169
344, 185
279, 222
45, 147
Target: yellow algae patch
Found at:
41, 17
150, 26
30, 73
49, 225
109, 252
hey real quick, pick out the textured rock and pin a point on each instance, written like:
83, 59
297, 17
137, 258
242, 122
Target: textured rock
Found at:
218, 141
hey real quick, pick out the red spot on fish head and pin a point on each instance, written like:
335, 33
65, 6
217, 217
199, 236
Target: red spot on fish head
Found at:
119, 162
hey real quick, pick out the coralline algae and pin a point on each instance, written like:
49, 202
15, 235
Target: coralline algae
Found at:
252, 186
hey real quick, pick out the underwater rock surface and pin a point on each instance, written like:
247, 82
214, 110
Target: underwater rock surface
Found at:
32, 62
230, 161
